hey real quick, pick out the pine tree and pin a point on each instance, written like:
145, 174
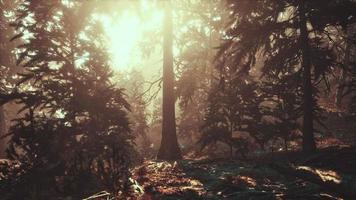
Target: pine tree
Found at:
234, 105
74, 135
133, 82
295, 37
197, 39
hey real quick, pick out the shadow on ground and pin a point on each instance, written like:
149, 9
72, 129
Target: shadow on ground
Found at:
313, 177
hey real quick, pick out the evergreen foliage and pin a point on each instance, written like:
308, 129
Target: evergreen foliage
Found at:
296, 40
73, 135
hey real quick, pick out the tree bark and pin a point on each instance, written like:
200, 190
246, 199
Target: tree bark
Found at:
2, 132
169, 149
308, 135
3, 62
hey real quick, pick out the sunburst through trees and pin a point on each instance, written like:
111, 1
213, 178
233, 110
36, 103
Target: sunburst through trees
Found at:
177, 99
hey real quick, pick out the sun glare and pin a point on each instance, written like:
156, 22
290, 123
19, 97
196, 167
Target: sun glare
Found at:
126, 30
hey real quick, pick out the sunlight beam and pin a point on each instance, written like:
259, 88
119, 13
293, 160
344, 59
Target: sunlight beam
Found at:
125, 31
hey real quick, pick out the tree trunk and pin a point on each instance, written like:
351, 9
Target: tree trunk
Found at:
169, 149
308, 136
3, 62
2, 133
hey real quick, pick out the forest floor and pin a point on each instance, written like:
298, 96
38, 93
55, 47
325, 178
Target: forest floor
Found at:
328, 174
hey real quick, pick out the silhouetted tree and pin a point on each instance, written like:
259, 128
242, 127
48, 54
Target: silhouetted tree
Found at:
74, 136
346, 76
351, 71
133, 82
169, 149
292, 35
234, 105
7, 68
199, 34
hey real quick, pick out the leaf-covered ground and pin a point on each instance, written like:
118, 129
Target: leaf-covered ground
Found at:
328, 174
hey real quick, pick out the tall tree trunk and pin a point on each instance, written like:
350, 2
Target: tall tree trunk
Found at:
169, 149
3, 62
308, 129
2, 132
